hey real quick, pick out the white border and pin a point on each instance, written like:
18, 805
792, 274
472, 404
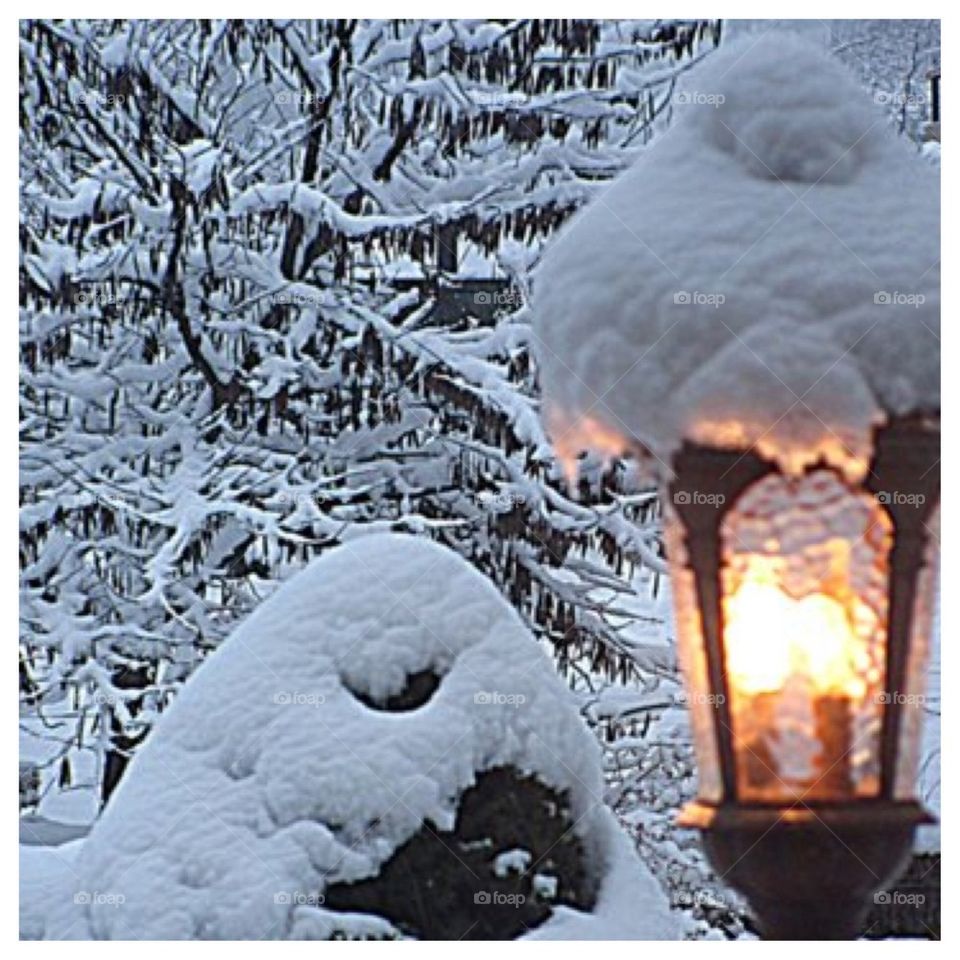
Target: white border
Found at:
421, 8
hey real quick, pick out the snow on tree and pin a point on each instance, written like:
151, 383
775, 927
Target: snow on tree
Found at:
218, 378
304, 755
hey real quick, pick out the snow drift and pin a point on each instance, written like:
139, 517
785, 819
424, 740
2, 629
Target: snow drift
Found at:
271, 778
766, 275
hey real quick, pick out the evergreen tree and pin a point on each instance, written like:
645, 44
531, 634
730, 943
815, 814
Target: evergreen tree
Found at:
222, 375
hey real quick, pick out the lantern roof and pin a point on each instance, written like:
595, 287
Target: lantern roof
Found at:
766, 275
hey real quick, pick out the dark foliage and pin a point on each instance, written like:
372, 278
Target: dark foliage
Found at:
441, 885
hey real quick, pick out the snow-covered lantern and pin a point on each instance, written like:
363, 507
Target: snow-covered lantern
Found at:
770, 349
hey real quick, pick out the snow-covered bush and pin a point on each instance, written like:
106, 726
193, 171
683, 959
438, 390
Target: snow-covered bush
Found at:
270, 781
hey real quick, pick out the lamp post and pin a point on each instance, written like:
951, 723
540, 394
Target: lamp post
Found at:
803, 609
739, 349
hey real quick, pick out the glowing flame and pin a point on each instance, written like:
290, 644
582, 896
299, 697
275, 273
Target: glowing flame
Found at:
773, 639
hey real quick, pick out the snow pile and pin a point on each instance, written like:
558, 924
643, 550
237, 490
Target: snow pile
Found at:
766, 275
270, 778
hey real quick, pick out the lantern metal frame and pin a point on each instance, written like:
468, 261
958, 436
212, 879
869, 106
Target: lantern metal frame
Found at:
809, 867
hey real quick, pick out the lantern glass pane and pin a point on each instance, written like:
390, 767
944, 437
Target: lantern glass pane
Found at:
804, 579
913, 700
693, 663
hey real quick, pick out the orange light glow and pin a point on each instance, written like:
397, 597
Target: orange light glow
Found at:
793, 453
773, 639
804, 579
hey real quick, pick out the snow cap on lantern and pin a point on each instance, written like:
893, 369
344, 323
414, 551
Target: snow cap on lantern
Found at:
766, 275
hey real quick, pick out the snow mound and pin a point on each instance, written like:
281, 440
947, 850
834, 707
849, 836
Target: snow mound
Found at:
766, 275
279, 771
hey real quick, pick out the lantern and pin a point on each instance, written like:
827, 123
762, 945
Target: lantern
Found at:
803, 607
738, 345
